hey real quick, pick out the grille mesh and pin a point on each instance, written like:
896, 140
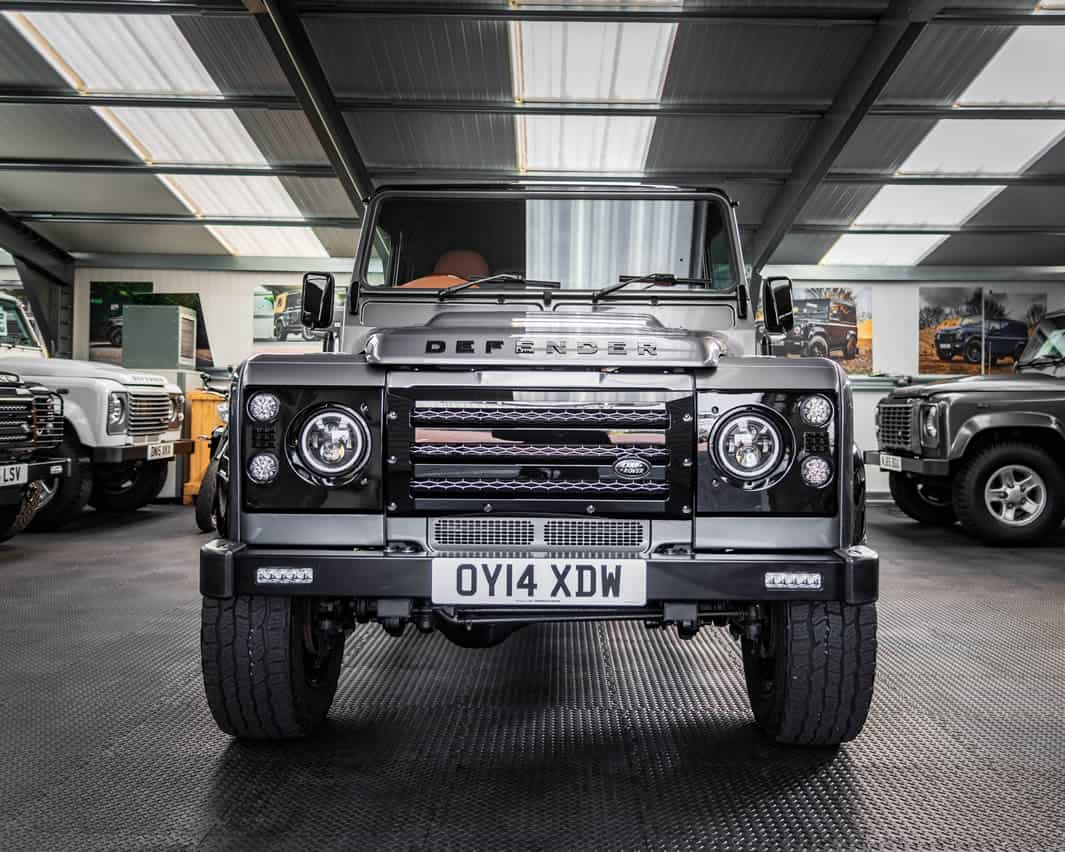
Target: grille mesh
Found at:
16, 418
561, 452
540, 416
483, 532
585, 534
896, 425
537, 487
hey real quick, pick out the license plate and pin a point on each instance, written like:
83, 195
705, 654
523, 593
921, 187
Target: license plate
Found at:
888, 462
540, 582
160, 451
14, 474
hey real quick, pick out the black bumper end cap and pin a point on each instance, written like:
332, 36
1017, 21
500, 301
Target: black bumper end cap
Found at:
217, 568
861, 575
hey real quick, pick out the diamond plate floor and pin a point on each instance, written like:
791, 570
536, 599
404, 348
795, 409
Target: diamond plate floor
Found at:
562, 738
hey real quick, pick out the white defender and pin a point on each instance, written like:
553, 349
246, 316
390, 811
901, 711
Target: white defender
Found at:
121, 429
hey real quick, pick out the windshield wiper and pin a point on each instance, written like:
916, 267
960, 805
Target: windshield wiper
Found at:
1042, 360
662, 278
502, 276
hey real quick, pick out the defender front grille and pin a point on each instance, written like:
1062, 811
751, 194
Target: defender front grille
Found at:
538, 534
149, 413
541, 451
896, 425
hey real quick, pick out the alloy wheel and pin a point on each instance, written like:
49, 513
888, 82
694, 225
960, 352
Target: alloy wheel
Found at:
1015, 495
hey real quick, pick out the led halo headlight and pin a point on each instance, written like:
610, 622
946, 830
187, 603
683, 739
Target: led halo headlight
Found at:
264, 407
749, 445
816, 471
333, 443
815, 410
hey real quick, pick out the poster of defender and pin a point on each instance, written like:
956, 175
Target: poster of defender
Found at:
833, 322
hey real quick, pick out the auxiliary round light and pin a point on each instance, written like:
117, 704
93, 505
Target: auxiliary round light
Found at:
334, 442
263, 468
748, 446
816, 471
815, 410
264, 407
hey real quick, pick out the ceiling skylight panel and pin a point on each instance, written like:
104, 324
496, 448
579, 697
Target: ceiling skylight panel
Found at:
256, 241
881, 249
190, 136
585, 61
586, 143
232, 195
925, 205
998, 146
120, 53
1028, 69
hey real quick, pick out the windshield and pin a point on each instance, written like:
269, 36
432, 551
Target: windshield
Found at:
14, 330
812, 308
1047, 341
571, 243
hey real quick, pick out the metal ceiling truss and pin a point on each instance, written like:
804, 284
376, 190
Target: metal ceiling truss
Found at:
718, 109
292, 48
182, 219
27, 245
302, 170
894, 37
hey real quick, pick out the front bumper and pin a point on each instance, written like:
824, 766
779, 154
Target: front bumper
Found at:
37, 470
228, 568
922, 467
139, 452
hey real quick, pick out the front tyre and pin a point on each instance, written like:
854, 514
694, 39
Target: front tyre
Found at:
206, 499
65, 496
15, 517
810, 673
125, 488
925, 503
265, 676
1010, 493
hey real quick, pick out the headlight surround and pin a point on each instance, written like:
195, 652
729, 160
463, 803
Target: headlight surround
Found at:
751, 445
930, 425
117, 412
332, 445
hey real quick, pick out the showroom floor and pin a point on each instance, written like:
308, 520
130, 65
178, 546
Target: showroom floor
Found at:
563, 737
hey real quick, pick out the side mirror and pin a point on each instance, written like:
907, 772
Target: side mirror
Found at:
316, 305
777, 305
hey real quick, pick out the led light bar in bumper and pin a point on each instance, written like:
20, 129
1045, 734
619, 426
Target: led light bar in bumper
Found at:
793, 581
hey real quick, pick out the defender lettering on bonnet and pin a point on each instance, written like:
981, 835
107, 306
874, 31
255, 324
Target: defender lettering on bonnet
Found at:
526, 346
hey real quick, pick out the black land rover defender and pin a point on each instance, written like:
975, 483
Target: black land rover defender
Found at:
31, 425
988, 451
822, 326
547, 411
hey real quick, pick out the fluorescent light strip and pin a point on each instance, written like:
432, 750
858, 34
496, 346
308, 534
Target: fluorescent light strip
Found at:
881, 249
129, 53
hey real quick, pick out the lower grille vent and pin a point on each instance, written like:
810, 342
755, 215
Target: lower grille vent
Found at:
583, 534
483, 532
538, 534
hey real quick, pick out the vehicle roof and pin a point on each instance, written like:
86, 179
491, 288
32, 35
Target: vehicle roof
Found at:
535, 188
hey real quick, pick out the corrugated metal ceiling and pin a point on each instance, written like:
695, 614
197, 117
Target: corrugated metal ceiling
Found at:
414, 57
236, 53
60, 132
130, 239
708, 143
435, 141
20, 64
87, 193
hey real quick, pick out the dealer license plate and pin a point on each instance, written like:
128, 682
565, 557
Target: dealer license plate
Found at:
888, 462
160, 451
14, 474
540, 582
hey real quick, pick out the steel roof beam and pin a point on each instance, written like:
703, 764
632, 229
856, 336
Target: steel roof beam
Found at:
136, 168
983, 230
42, 254
127, 7
987, 17
181, 219
292, 48
894, 37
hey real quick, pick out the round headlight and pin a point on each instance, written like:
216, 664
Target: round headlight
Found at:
748, 446
816, 471
334, 442
264, 407
815, 410
263, 468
